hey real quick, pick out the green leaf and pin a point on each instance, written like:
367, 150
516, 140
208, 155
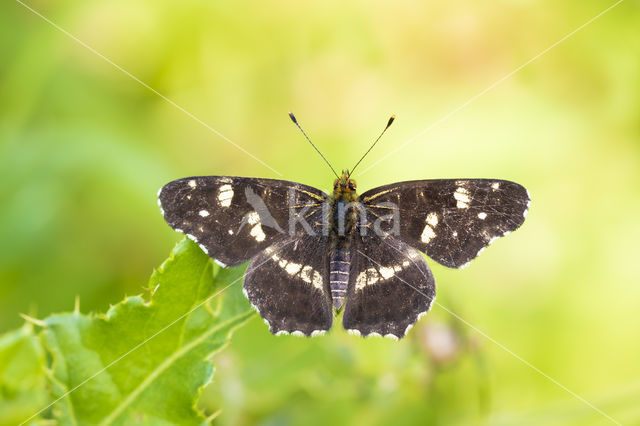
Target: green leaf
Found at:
23, 383
146, 361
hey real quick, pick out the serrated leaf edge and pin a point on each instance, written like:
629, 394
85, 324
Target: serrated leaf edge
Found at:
232, 323
131, 397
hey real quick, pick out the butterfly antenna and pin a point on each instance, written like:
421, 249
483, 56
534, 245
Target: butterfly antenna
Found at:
393, 117
293, 118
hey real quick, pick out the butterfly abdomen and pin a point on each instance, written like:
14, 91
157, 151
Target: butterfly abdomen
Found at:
344, 217
339, 263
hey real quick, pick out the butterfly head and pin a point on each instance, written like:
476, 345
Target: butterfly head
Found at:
344, 187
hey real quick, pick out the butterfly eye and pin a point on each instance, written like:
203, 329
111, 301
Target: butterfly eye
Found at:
352, 186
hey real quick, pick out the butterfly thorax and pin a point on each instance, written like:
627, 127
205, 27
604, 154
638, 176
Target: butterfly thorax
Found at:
344, 213
344, 188
343, 206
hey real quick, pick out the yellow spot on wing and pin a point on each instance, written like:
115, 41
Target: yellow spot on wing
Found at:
310, 194
376, 195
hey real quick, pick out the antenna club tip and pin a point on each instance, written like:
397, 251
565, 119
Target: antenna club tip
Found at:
393, 117
293, 117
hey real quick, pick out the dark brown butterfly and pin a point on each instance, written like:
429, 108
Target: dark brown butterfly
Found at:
311, 254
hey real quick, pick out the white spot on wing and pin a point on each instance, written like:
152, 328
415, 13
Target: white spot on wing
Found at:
230, 231
420, 315
354, 332
427, 234
371, 276
293, 268
224, 266
253, 218
306, 274
462, 197
225, 195
386, 272
495, 186
366, 277
203, 213
192, 183
315, 333
482, 215
297, 333
317, 280
432, 219
406, 330
256, 231
204, 249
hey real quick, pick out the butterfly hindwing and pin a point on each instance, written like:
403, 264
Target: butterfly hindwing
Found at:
234, 218
390, 287
288, 283
451, 220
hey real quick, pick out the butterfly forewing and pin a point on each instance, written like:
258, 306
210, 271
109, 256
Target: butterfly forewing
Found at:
390, 286
451, 220
235, 218
288, 283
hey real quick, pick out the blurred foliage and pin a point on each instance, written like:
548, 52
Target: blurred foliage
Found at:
22, 375
84, 147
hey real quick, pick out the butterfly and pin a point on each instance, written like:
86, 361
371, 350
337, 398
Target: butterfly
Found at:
312, 255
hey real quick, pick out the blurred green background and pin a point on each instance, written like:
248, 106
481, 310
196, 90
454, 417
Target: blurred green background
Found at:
84, 148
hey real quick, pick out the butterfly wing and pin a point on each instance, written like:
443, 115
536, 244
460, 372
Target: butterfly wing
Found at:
234, 218
451, 220
288, 284
390, 287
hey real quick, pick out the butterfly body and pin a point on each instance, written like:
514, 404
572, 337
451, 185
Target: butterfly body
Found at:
311, 254
343, 222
